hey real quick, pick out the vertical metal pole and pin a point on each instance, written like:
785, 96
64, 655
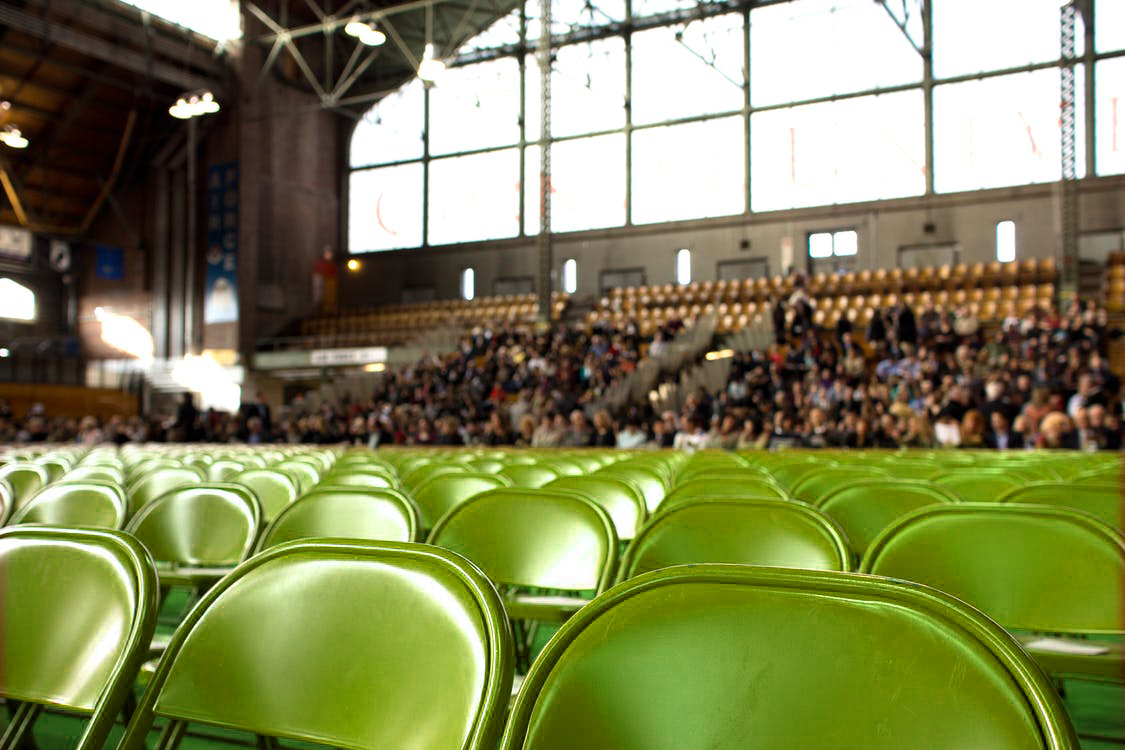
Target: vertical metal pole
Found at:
1087, 9
190, 250
522, 179
628, 128
426, 166
747, 160
928, 90
160, 254
1068, 205
544, 55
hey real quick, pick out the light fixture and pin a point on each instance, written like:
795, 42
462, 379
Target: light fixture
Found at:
365, 33
720, 354
353, 265
194, 104
11, 137
4, 353
5, 105
430, 69
375, 367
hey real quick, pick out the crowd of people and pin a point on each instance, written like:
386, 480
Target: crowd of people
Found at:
937, 378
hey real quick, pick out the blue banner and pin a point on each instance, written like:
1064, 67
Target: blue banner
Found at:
220, 301
111, 262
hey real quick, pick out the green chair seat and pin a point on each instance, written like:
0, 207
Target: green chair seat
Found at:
345, 513
972, 486
647, 480
76, 503
97, 472
814, 486
304, 474
749, 488
159, 481
344, 644
25, 478
530, 476
735, 656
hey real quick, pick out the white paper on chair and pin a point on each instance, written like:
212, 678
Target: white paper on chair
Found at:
1058, 646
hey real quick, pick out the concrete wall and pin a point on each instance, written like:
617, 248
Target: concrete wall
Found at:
968, 219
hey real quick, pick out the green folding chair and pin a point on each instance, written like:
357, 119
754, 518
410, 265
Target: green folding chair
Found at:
417, 477
1101, 500
812, 487
648, 480
970, 485
25, 478
76, 503
441, 493
624, 504
160, 480
344, 644
274, 489
7, 501
304, 474
78, 611
363, 479
1033, 568
345, 513
866, 507
529, 476
696, 489
224, 470
733, 656
780, 533
97, 472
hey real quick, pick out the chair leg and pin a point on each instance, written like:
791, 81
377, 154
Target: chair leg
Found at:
18, 734
171, 735
266, 742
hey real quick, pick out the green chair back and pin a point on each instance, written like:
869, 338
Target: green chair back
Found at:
812, 487
722, 656
159, 481
695, 489
345, 513
25, 478
441, 493
535, 538
1029, 567
344, 644
274, 489
529, 476
76, 503
304, 474
624, 504
648, 480
224, 470
422, 474
202, 525
864, 508
972, 486
365, 479
78, 612
788, 475
781, 533
7, 501
1101, 500
56, 466
486, 465
97, 472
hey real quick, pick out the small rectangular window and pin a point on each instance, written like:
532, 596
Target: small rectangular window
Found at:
467, 289
683, 266
1005, 241
841, 243
570, 276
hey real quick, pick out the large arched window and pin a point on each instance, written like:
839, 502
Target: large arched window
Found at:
17, 302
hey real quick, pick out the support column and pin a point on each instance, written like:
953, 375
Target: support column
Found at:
1068, 203
928, 90
544, 245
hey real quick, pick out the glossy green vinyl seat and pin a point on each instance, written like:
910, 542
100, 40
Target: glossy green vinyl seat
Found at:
971, 485
345, 513
537, 539
723, 472
197, 534
56, 465
780, 533
274, 489
346, 644
97, 472
1102, 500
734, 656
7, 501
441, 493
360, 479
529, 476
1037, 568
790, 474
25, 478
866, 507
76, 503
624, 504
561, 465
78, 610
648, 480
147, 487
422, 474
812, 487
486, 465
224, 469
304, 474
696, 489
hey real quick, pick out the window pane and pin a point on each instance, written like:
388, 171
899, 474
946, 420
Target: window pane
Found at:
217, 19
474, 197
385, 208
846, 242
587, 89
1109, 25
966, 34
689, 171
570, 15
1001, 131
679, 71
476, 106
570, 276
468, 284
392, 129
683, 266
1110, 115
1006, 241
17, 302
813, 48
653, 7
820, 245
503, 32
866, 148
587, 184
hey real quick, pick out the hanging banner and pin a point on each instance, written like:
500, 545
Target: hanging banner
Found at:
220, 301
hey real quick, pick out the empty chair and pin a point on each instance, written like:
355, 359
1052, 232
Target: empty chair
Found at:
197, 533
97, 472
866, 507
1102, 501
440, 494
813, 486
530, 476
274, 489
753, 532
369, 479
223, 469
646, 479
713, 656
421, 474
7, 501
976, 486
750, 487
345, 513
304, 474
25, 478
78, 612
344, 644
77, 503
160, 480
539, 539
1029, 567
624, 504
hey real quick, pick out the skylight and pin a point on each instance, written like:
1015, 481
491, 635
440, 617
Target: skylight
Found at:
217, 19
